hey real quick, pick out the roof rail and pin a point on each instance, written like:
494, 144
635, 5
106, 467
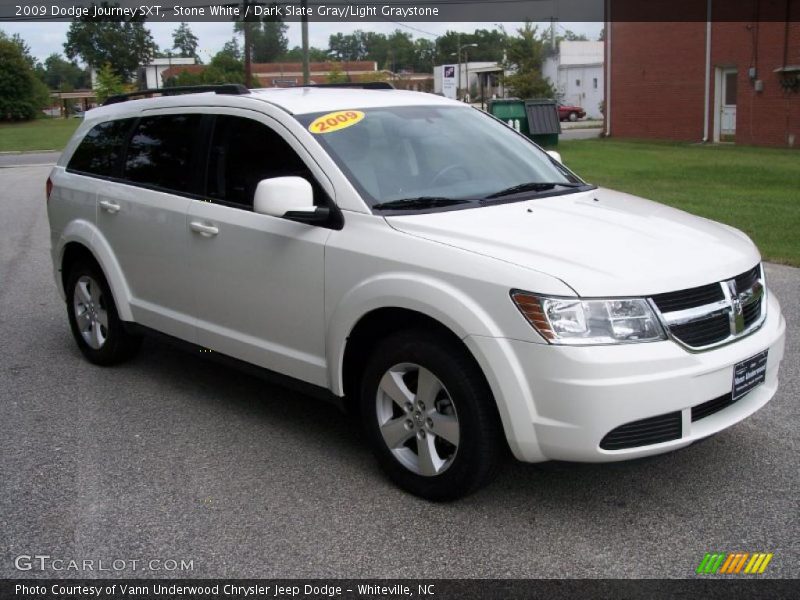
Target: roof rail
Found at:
234, 89
367, 85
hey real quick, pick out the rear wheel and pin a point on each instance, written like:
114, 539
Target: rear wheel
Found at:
573, 116
93, 317
430, 416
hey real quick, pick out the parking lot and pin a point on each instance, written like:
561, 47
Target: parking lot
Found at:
172, 457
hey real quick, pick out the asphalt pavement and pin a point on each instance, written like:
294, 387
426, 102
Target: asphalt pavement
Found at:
172, 457
28, 159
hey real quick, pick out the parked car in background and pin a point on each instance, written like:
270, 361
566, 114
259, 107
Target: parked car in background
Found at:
570, 113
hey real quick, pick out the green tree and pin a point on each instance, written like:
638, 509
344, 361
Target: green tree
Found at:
424, 55
268, 40
185, 41
225, 67
314, 55
233, 49
490, 45
525, 55
24, 49
108, 83
228, 62
347, 47
64, 75
401, 55
22, 93
336, 74
123, 45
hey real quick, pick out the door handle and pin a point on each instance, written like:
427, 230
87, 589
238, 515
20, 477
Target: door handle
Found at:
109, 206
203, 229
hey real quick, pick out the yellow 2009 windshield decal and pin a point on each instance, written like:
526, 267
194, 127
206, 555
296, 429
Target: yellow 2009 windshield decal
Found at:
335, 121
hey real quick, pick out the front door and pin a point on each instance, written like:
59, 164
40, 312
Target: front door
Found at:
259, 280
727, 114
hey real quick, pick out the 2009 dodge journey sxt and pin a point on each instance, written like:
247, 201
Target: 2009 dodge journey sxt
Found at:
457, 286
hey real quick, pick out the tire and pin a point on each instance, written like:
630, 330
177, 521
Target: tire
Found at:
573, 116
93, 317
449, 445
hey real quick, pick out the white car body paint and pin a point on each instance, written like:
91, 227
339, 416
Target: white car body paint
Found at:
457, 267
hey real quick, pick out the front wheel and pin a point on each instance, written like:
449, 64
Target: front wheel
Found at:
573, 116
430, 416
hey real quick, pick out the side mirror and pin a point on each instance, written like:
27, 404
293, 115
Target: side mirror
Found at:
279, 196
555, 155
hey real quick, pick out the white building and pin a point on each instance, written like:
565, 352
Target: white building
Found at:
152, 71
469, 78
577, 74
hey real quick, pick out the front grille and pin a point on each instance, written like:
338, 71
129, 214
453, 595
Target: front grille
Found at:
751, 312
709, 408
703, 332
746, 280
683, 299
654, 430
709, 315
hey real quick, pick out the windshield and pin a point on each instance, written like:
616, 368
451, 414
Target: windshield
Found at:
434, 155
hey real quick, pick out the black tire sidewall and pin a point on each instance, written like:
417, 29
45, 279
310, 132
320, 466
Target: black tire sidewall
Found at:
478, 450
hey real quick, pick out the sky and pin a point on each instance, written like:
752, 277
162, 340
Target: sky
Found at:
47, 38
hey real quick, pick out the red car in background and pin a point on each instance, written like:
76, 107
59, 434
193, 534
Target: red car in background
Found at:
570, 113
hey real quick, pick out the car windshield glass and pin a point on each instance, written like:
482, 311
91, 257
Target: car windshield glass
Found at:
391, 154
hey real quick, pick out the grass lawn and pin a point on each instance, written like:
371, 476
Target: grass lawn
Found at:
753, 189
39, 134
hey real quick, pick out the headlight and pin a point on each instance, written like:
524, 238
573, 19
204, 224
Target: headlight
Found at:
588, 322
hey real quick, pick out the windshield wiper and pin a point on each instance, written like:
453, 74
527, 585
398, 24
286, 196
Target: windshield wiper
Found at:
533, 186
418, 203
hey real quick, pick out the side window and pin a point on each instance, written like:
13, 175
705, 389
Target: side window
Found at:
100, 150
161, 152
242, 153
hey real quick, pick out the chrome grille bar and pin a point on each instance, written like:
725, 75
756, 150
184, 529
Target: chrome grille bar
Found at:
737, 306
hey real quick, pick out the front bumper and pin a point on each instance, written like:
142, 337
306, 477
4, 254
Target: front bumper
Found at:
559, 402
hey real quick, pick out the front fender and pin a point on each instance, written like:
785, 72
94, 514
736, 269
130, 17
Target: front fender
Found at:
86, 234
437, 299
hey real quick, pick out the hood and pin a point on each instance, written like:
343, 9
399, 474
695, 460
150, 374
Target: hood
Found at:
600, 242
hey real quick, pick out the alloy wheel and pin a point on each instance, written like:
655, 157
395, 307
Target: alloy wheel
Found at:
417, 419
91, 315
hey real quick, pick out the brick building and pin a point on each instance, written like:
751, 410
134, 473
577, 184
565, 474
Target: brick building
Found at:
289, 74
714, 80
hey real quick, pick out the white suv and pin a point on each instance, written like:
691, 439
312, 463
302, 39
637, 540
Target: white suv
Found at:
419, 261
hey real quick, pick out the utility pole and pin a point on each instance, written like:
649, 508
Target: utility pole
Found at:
304, 32
248, 71
458, 58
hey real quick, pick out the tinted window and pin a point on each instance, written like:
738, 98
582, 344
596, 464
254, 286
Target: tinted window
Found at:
100, 150
395, 153
161, 150
242, 153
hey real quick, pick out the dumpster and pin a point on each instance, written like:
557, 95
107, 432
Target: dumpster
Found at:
543, 122
512, 111
536, 118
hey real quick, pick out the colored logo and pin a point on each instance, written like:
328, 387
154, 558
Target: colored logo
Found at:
734, 563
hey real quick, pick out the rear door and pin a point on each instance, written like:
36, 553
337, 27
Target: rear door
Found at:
142, 214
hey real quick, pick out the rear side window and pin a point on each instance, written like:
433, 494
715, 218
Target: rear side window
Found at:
242, 153
161, 152
100, 151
